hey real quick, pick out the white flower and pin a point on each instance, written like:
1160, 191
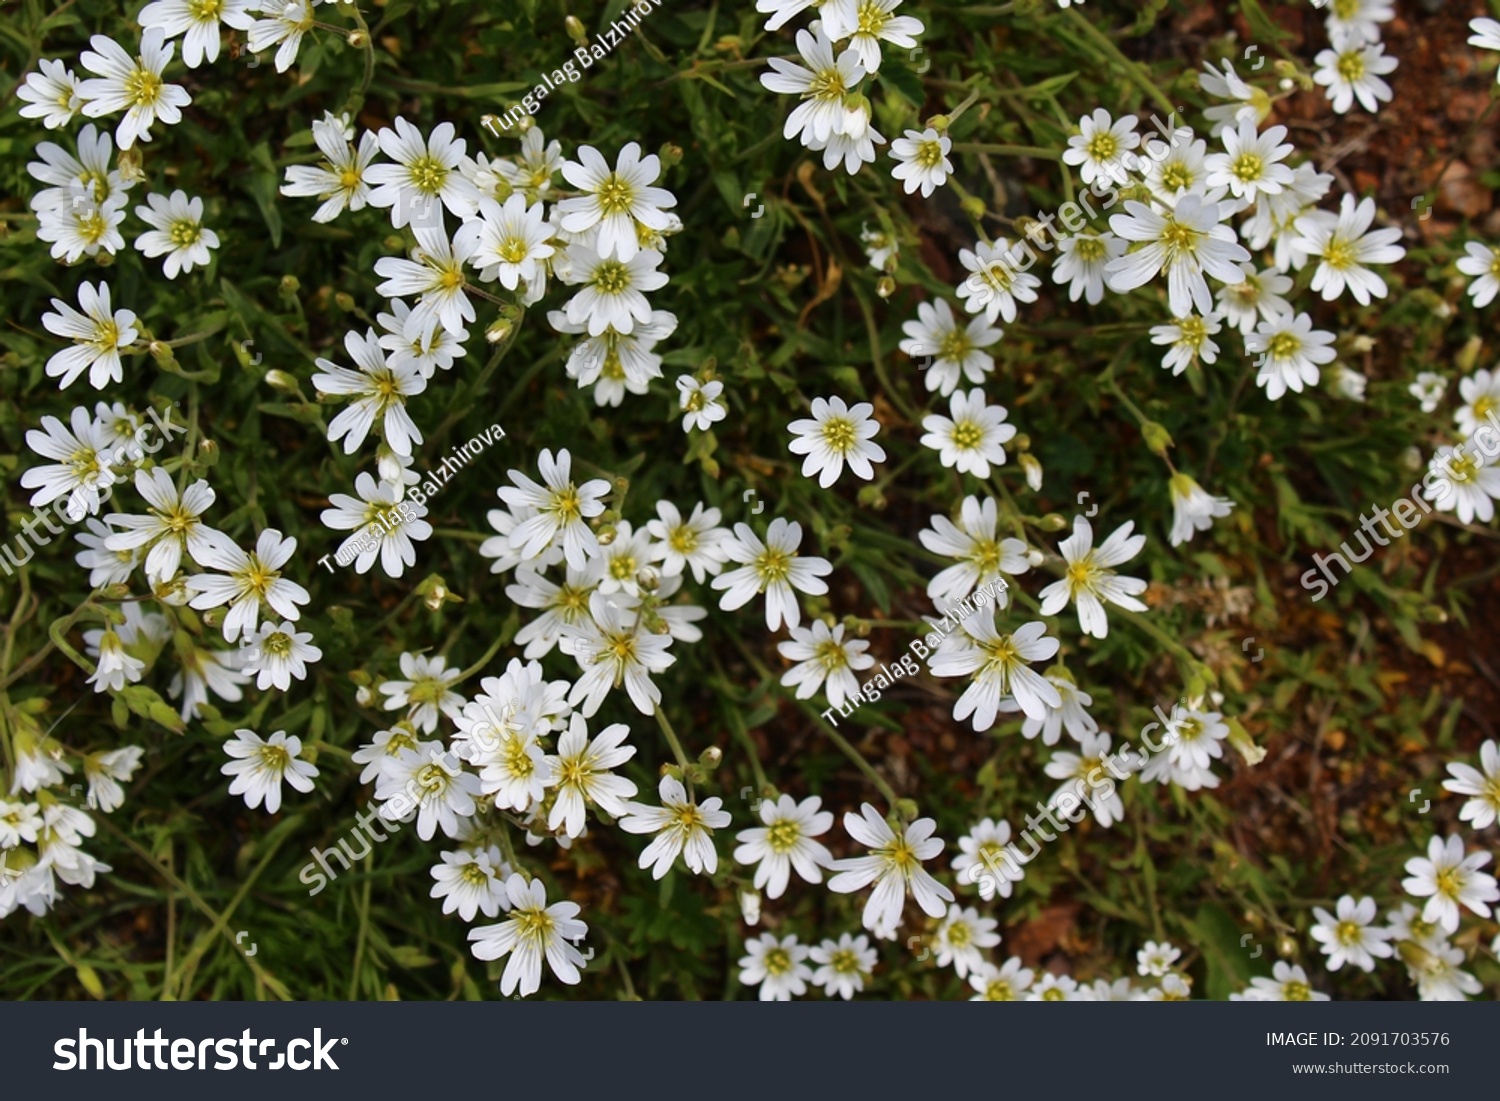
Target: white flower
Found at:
340, 181
382, 392
173, 524
507, 242
98, 333
83, 181
105, 772
106, 567
824, 654
1091, 581
1486, 36
982, 859
774, 568
982, 558
998, 666
116, 668
894, 866
1081, 262
1352, 70
613, 649
1194, 509
785, 842
1348, 937
1358, 20
384, 526
83, 228
248, 581
259, 767
1451, 879
996, 281
1439, 978
701, 402
1429, 389
615, 363
1004, 984
611, 291
962, 938
204, 670
1187, 339
618, 201
583, 775
1289, 983
1348, 383
1087, 772
414, 339
288, 21
565, 605
279, 654
563, 509
1099, 147
1183, 167
435, 271
1345, 246
1251, 102
953, 351
198, 22
1070, 715
82, 466
133, 85
781, 11
470, 882
624, 559
1055, 988
1290, 352
843, 965
1483, 787
177, 232
1186, 243
51, 94
824, 85
1156, 960
923, 157
881, 249
837, 434
696, 543
1259, 296
425, 173
533, 932
1251, 165
1483, 263
1472, 485
442, 791
972, 439
869, 22
682, 827
776, 966
425, 690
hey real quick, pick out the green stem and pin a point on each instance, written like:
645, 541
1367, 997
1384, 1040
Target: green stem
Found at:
1007, 150
1132, 70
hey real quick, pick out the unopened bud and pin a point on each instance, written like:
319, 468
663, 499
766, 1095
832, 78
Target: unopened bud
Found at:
162, 353
940, 123
499, 331
280, 380
1468, 354
886, 287
648, 580
1031, 466
344, 301
1052, 522
358, 40
670, 154
208, 453
290, 285
574, 26
1157, 438
711, 758
606, 535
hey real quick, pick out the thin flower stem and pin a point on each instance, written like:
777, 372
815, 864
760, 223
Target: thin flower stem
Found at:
671, 735
1113, 52
482, 662
969, 101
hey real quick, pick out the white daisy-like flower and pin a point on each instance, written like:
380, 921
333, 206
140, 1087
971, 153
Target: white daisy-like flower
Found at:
784, 842
616, 364
682, 827
867, 23
837, 434
1081, 262
982, 557
279, 654
198, 22
259, 767
962, 939
1289, 983
1001, 984
413, 338
1156, 960
203, 671
106, 567
1352, 70
953, 351
425, 173
996, 280
1099, 147
82, 453
1186, 242
1251, 164
701, 402
1187, 339
1055, 988
1258, 297
1473, 484
583, 776
611, 292
1070, 716
562, 509
1091, 581
1483, 263
84, 180
894, 866
1172, 988
695, 543
618, 202
105, 772
844, 965
1428, 389
533, 932
1085, 770
613, 648
881, 248
425, 690
340, 181
443, 792
1486, 36
775, 568
778, 967
982, 859
51, 94
83, 228
435, 273
1482, 787
133, 85
173, 524
825, 84
380, 390
507, 242
1249, 101
1345, 246
562, 605
116, 667
384, 525
624, 559
973, 437
782, 11
1290, 353
1358, 20
470, 883
997, 666
247, 581
1348, 937
824, 654
923, 160
1184, 166
1439, 978
1194, 509
177, 232
98, 333
284, 25
1348, 383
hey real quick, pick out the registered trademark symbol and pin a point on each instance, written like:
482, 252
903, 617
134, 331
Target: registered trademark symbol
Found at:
345, 1040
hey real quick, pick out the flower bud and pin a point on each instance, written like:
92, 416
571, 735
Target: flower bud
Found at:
886, 287
344, 301
711, 758
1157, 438
670, 154
280, 380
1032, 467
358, 40
1052, 522
574, 26
208, 454
649, 579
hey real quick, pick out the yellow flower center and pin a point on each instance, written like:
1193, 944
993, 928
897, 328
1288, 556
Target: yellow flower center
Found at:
845, 962
1247, 167
474, 876
1177, 176
616, 196
839, 434
515, 758
830, 655
612, 277
783, 835
184, 234
960, 935
1339, 254
929, 154
683, 540
142, 87
1296, 992
967, 435
772, 565
778, 961
1347, 932
1351, 65
1192, 331
1284, 346
1102, 146
954, 346
1089, 249
513, 251
427, 174
205, 11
